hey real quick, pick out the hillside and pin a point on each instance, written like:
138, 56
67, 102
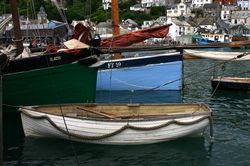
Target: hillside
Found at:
81, 9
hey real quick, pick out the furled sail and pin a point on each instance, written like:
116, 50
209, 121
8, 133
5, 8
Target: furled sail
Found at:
128, 39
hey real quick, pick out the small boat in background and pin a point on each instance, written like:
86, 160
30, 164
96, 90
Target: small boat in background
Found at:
116, 124
233, 83
218, 55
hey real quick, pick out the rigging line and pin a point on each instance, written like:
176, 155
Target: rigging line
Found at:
36, 30
62, 13
217, 86
69, 135
188, 76
57, 98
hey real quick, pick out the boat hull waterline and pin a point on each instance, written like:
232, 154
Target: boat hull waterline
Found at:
231, 83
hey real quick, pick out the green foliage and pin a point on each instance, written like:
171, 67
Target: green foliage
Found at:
52, 12
76, 10
157, 11
125, 4
100, 15
81, 9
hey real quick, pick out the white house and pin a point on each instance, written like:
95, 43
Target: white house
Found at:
240, 17
179, 28
208, 23
150, 3
180, 9
147, 24
226, 11
162, 20
106, 4
200, 3
244, 4
172, 11
147, 3
136, 7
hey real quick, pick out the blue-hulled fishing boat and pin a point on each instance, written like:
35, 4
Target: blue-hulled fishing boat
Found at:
152, 72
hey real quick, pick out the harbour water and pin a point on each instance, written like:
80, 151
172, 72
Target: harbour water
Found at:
230, 145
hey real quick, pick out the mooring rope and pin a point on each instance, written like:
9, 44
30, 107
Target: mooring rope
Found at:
189, 76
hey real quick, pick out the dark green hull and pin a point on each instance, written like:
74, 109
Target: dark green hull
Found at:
69, 83
51, 78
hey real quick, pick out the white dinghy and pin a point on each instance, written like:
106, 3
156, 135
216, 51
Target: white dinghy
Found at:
218, 55
116, 124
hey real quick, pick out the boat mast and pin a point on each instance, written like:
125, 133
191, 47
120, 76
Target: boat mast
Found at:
115, 18
17, 30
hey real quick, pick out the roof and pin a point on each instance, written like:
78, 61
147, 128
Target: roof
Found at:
223, 24
207, 21
212, 5
107, 24
240, 14
130, 21
179, 22
240, 26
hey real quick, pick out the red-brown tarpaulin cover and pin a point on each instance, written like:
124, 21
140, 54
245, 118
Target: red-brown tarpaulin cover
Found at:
136, 37
82, 33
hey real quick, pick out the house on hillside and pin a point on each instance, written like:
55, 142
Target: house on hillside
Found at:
226, 11
225, 2
147, 23
244, 4
150, 3
240, 17
179, 29
52, 31
177, 10
41, 30
131, 24
211, 10
240, 30
105, 29
208, 23
200, 3
106, 4
137, 8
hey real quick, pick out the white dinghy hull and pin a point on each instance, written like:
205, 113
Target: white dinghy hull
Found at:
115, 131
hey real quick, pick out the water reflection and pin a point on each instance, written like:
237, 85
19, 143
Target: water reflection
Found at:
186, 151
157, 96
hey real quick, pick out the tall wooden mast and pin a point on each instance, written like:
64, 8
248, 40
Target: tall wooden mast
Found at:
17, 30
115, 18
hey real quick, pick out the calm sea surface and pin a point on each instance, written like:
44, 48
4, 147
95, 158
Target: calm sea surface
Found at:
230, 146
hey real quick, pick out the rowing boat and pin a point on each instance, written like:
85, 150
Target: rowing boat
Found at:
116, 124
